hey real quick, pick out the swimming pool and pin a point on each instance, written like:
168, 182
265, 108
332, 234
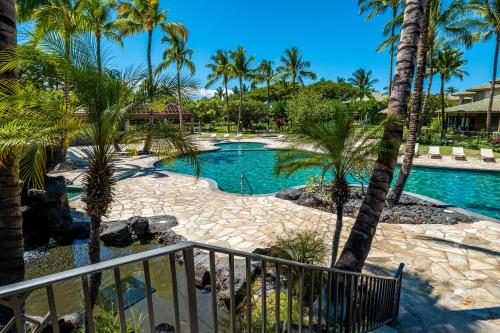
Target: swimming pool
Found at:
478, 191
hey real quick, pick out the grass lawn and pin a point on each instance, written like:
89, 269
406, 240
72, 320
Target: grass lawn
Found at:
446, 150
220, 135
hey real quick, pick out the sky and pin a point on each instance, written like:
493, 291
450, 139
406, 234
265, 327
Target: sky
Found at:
329, 33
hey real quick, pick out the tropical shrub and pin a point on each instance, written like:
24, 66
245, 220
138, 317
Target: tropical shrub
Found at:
271, 314
309, 107
305, 246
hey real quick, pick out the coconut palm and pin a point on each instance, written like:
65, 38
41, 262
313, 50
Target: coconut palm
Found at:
219, 93
266, 73
415, 110
482, 23
220, 70
177, 53
380, 7
358, 244
98, 19
451, 90
448, 64
241, 69
339, 148
363, 80
294, 67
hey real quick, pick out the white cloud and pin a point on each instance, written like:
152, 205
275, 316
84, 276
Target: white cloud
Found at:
206, 93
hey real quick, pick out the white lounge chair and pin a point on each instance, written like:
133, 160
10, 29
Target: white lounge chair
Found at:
458, 153
281, 136
487, 155
213, 135
434, 152
416, 149
238, 136
226, 135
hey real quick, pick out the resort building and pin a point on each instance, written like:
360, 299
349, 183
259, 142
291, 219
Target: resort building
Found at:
470, 114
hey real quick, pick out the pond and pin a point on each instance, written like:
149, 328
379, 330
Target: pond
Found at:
477, 191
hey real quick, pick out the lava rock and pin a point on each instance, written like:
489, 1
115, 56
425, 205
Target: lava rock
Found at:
164, 328
71, 322
309, 199
290, 193
116, 234
168, 237
139, 227
240, 280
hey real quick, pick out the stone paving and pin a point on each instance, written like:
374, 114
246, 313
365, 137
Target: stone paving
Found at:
452, 281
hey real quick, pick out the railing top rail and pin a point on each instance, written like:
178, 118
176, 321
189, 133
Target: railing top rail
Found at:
109, 264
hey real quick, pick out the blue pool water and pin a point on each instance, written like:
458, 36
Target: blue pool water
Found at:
477, 191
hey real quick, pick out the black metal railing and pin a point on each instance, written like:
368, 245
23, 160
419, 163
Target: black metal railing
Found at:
327, 300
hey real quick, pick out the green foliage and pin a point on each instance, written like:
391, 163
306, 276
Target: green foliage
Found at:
108, 321
277, 92
334, 90
308, 107
207, 110
271, 314
251, 112
305, 246
368, 109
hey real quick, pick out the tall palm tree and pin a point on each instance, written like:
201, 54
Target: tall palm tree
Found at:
265, 73
363, 80
448, 64
294, 67
62, 17
220, 70
241, 69
219, 93
413, 123
451, 90
358, 244
380, 7
179, 54
339, 148
98, 19
441, 17
482, 23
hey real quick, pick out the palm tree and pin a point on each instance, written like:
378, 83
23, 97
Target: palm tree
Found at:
451, 90
482, 23
413, 123
362, 80
339, 148
98, 19
220, 70
440, 19
358, 244
448, 64
62, 17
219, 93
179, 54
241, 69
380, 7
294, 67
266, 73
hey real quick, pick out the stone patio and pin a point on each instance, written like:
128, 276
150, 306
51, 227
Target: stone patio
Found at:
452, 272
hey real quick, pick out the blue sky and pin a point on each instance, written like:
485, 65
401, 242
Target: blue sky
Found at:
331, 35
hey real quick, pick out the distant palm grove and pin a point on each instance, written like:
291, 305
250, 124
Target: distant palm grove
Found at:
60, 86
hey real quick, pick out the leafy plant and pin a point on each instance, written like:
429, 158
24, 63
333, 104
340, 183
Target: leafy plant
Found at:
305, 246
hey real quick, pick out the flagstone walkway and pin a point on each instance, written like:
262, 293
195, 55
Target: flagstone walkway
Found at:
452, 280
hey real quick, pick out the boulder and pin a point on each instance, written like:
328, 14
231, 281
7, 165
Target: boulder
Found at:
240, 280
164, 328
309, 199
290, 193
116, 234
71, 323
139, 227
46, 214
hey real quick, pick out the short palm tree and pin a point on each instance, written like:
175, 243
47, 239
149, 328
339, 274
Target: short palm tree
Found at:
294, 67
338, 148
220, 69
380, 7
98, 19
177, 53
241, 69
266, 73
451, 90
448, 64
363, 80
481, 22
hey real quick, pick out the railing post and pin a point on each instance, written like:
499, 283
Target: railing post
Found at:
397, 295
191, 290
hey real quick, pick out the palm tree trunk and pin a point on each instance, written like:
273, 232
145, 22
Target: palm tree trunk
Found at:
391, 62
337, 233
443, 120
268, 109
493, 82
395, 195
358, 245
147, 142
429, 84
95, 257
241, 102
179, 97
227, 105
98, 48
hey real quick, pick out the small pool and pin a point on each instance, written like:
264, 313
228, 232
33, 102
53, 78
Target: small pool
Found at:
478, 191
73, 192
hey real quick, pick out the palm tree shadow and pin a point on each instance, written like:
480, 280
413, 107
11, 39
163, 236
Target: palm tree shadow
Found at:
420, 311
460, 245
